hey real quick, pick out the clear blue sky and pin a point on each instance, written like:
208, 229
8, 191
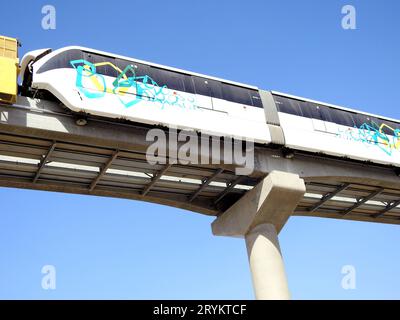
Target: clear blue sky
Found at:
112, 248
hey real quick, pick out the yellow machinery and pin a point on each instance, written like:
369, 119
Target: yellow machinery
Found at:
8, 69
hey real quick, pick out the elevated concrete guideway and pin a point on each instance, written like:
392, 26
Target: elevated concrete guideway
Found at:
42, 147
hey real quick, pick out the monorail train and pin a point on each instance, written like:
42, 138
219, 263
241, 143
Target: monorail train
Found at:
103, 84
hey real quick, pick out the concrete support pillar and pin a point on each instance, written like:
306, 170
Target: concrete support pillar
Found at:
266, 263
258, 217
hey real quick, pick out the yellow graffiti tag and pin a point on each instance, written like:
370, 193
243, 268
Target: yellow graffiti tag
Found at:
396, 134
98, 85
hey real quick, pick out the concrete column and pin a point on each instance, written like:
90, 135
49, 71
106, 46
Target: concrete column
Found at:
258, 217
266, 263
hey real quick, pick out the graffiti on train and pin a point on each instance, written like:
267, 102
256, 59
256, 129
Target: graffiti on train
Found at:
382, 136
127, 87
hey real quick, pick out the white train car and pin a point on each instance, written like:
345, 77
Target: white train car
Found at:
323, 128
103, 84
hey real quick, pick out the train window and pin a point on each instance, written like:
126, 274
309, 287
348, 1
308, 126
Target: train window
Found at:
389, 127
215, 88
157, 76
236, 94
326, 115
375, 122
361, 119
201, 86
62, 60
310, 110
341, 117
286, 105
141, 71
255, 98
315, 111
395, 125
103, 64
188, 84
172, 80
122, 64
177, 81
207, 87
305, 108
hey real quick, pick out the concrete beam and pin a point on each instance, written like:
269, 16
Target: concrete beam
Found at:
315, 168
49, 120
272, 201
199, 205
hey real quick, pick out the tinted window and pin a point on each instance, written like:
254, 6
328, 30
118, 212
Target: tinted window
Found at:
325, 112
188, 84
312, 110
287, 105
341, 117
122, 64
394, 125
236, 94
255, 98
172, 80
157, 76
140, 70
62, 60
361, 119
305, 108
208, 87
103, 64
215, 88
316, 112
201, 86
375, 122
385, 127
390, 127
175, 81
